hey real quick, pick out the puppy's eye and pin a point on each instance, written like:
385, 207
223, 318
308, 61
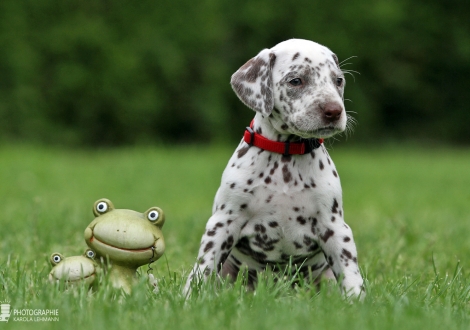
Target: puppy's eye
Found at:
339, 82
296, 82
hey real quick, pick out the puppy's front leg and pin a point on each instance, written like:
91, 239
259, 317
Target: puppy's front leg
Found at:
221, 234
339, 248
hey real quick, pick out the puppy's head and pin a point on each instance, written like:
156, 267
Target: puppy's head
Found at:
298, 86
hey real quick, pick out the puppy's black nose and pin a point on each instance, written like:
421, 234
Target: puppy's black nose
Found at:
331, 111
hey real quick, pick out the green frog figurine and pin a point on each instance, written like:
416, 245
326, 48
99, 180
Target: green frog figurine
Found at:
125, 240
74, 270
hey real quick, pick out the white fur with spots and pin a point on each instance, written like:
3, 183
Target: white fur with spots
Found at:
271, 210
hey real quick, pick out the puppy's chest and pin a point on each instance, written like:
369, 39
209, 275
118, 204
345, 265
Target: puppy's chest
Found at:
285, 201
294, 177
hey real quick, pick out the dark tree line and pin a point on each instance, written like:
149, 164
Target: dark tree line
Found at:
125, 72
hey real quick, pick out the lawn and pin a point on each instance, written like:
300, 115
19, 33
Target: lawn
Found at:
409, 209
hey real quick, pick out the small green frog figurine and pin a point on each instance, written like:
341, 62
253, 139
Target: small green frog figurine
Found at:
125, 240
74, 270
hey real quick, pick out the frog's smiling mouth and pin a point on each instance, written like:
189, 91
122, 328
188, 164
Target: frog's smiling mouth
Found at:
123, 249
75, 280
93, 238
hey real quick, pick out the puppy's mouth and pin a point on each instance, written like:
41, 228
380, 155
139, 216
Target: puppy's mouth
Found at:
321, 133
327, 131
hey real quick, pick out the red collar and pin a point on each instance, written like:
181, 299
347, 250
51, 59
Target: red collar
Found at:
286, 148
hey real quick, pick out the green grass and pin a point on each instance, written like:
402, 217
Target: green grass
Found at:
409, 210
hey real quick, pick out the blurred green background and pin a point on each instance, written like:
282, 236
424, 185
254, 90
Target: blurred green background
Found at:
112, 73
80, 77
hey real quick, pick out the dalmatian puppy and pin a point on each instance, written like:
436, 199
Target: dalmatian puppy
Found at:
280, 200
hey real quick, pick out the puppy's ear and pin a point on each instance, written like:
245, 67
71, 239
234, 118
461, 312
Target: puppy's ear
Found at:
253, 82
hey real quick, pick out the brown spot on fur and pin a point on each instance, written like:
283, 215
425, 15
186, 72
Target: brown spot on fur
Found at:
286, 159
334, 208
335, 58
242, 152
286, 174
208, 246
330, 261
252, 68
227, 245
313, 227
347, 254
260, 228
273, 169
328, 233
222, 259
273, 224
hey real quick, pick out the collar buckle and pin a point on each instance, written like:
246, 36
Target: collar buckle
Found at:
252, 136
286, 148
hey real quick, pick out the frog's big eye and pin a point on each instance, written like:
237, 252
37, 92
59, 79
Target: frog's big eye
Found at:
102, 207
56, 258
90, 254
153, 215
